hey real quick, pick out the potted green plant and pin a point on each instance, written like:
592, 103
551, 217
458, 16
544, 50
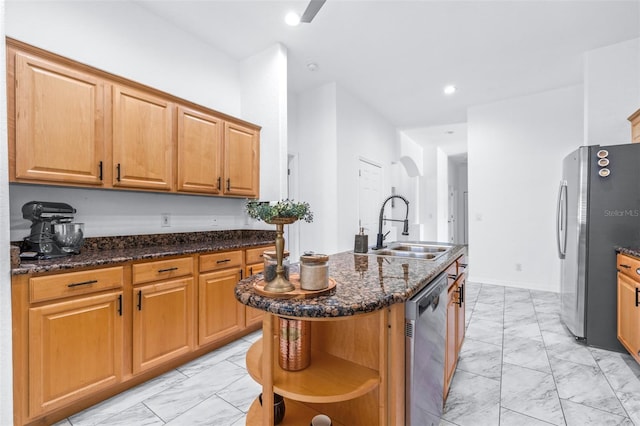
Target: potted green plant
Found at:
270, 212
279, 213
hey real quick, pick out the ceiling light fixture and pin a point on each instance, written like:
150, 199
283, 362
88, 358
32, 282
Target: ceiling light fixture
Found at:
312, 66
292, 19
450, 89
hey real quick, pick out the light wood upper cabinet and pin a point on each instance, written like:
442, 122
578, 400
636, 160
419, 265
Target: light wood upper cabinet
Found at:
199, 152
73, 125
241, 161
59, 123
142, 140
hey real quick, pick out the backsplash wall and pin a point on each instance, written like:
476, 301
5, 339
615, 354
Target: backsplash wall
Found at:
113, 212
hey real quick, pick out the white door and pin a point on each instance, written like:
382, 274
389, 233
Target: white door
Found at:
369, 198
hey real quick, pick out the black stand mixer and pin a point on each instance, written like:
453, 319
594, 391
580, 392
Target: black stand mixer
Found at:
52, 233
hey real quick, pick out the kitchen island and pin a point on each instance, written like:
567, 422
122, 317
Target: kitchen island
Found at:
357, 338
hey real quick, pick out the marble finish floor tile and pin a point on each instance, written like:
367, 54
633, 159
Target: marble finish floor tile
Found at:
473, 400
481, 358
585, 385
518, 366
532, 393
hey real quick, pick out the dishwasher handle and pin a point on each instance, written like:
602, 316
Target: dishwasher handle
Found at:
429, 302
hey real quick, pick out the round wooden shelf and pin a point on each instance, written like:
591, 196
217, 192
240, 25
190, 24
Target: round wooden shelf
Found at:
327, 379
295, 414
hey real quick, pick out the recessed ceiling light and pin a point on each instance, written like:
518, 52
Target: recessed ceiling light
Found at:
312, 66
292, 18
449, 90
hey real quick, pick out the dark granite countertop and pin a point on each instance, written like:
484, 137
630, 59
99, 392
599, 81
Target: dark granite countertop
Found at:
630, 251
364, 283
102, 251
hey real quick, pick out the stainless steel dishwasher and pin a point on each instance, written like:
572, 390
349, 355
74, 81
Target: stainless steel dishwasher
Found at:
425, 334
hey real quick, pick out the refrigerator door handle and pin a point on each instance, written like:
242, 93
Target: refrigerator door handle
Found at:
561, 220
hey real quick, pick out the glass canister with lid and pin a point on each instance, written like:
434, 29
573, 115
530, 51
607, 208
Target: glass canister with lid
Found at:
314, 271
271, 264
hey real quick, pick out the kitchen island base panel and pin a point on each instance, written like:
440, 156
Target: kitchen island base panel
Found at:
347, 382
296, 414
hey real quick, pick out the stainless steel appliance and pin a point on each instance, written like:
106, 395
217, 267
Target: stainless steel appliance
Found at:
598, 209
425, 334
52, 233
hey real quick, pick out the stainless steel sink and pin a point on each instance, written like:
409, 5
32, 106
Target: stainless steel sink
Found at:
417, 250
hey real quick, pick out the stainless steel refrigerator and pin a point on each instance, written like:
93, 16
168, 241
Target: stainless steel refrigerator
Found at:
598, 209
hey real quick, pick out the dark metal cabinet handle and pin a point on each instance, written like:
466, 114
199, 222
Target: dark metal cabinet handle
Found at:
219, 183
100, 170
118, 172
120, 305
622, 265
637, 299
228, 184
453, 276
460, 297
462, 291
241, 274
250, 270
139, 300
175, 268
223, 261
82, 283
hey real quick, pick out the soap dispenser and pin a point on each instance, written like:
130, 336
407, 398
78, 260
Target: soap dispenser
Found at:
362, 242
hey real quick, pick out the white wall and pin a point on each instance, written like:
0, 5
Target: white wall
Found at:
264, 100
363, 133
611, 92
515, 152
124, 39
318, 177
6, 369
334, 131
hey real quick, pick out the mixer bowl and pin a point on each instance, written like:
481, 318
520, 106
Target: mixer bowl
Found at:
69, 236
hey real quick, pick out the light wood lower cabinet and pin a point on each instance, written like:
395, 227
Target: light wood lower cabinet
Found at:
629, 304
455, 320
634, 119
76, 348
255, 265
80, 337
163, 317
220, 314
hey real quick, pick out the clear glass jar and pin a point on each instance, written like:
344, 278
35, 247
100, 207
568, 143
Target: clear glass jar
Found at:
271, 263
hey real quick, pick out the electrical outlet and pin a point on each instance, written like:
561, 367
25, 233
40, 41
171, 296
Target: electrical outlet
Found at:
165, 220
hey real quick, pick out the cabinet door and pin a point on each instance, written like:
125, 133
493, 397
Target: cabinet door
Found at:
59, 116
241, 161
220, 314
451, 353
460, 321
75, 349
162, 322
629, 314
142, 140
252, 315
199, 152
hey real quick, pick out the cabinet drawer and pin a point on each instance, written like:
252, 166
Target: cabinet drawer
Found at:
74, 283
162, 269
254, 255
211, 262
629, 266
